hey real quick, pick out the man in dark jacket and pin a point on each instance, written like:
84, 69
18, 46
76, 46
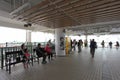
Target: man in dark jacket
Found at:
40, 52
93, 46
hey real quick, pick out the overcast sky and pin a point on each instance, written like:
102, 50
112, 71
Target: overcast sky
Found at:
11, 35
19, 35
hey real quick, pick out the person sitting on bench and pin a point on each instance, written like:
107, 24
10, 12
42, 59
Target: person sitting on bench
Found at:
49, 52
23, 48
26, 58
41, 53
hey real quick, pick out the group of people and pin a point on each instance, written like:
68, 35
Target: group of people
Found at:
79, 44
93, 46
40, 52
45, 51
48, 50
110, 44
117, 44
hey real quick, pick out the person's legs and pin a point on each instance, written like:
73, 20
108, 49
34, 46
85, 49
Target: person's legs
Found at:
78, 49
74, 48
26, 63
44, 59
93, 52
49, 56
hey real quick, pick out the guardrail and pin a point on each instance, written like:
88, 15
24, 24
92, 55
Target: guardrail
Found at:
15, 47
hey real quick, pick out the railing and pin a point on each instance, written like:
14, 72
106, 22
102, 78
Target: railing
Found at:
15, 47
18, 44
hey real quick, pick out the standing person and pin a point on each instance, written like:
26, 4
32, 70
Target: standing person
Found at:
110, 44
103, 44
85, 43
71, 45
79, 45
41, 53
93, 46
50, 43
74, 44
117, 45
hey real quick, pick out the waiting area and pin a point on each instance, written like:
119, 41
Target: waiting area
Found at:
76, 66
79, 39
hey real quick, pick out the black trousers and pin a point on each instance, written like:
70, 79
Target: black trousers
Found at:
50, 55
44, 58
92, 51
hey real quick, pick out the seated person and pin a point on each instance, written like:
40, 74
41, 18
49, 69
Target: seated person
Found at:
26, 58
49, 51
41, 53
23, 47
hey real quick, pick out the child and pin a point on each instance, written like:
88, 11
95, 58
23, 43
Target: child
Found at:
26, 58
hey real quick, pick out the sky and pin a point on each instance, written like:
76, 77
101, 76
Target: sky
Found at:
12, 35
19, 35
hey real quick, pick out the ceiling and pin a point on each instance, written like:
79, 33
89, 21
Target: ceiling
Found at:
81, 16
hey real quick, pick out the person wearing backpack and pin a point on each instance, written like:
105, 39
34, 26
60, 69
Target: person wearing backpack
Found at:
93, 46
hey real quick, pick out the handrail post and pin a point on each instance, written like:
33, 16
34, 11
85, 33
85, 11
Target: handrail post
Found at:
2, 58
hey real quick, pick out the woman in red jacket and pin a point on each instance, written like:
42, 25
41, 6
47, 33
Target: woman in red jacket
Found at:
48, 50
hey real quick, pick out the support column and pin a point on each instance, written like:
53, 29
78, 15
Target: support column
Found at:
60, 42
86, 40
86, 37
28, 36
28, 41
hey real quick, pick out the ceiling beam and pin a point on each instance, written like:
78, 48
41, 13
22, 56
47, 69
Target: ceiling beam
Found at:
56, 12
20, 8
39, 7
104, 9
50, 8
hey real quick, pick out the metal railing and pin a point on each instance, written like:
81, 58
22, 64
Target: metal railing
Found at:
15, 47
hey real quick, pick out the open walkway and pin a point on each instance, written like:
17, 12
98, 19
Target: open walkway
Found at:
76, 66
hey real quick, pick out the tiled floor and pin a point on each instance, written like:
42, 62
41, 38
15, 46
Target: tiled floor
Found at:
76, 66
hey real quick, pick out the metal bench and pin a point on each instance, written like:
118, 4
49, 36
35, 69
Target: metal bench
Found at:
14, 57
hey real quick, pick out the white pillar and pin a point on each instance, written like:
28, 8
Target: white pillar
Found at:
60, 42
86, 39
28, 36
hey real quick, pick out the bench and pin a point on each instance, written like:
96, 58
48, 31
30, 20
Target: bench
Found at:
12, 58
36, 56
